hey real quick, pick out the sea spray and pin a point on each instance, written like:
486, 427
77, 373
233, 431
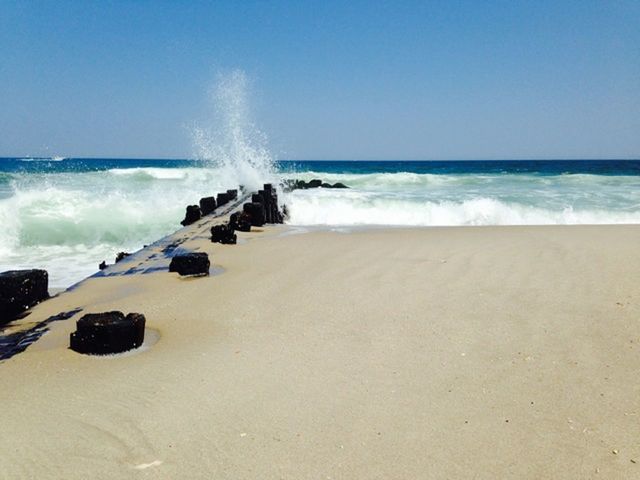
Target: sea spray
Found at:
67, 216
230, 142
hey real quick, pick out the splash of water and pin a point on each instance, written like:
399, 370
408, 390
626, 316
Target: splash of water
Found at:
231, 142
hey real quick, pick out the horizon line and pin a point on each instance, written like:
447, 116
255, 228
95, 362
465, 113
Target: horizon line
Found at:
532, 159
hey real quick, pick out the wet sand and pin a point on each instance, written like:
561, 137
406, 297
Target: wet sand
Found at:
483, 352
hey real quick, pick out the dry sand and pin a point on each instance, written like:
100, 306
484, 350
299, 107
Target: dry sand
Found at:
480, 353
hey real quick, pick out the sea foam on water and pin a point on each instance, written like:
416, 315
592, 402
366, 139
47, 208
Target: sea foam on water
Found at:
358, 208
459, 199
67, 221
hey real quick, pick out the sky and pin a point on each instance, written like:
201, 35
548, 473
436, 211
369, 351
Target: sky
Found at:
327, 79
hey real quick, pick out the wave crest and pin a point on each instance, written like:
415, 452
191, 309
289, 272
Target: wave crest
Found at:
358, 208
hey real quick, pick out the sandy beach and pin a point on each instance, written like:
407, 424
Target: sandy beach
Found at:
320, 241
480, 353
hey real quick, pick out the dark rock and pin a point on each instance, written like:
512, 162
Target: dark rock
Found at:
269, 198
106, 333
270, 205
223, 234
20, 290
270, 210
270, 201
207, 205
265, 200
302, 185
222, 199
244, 223
255, 211
193, 215
192, 263
277, 216
233, 221
233, 194
103, 265
291, 184
121, 256
240, 221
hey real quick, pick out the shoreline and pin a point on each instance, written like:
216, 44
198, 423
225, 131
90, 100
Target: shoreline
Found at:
67, 228
305, 229
388, 353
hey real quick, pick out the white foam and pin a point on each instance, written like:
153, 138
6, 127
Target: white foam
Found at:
152, 173
348, 208
230, 141
70, 222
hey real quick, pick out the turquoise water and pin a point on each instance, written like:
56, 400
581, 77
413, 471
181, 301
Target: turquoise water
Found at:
67, 215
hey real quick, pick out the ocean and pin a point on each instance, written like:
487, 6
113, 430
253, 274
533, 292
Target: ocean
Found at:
66, 215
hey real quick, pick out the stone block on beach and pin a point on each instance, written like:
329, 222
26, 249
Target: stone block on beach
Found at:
240, 221
193, 215
233, 194
255, 211
223, 234
192, 263
207, 205
243, 223
106, 333
272, 210
222, 199
20, 290
233, 221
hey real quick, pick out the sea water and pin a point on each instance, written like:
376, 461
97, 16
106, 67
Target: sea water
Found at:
68, 215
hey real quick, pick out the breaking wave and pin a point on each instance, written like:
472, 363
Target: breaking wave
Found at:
67, 216
412, 199
361, 209
67, 222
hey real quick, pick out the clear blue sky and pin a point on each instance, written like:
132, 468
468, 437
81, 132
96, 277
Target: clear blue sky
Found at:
330, 80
